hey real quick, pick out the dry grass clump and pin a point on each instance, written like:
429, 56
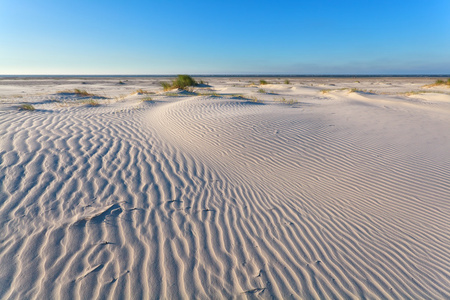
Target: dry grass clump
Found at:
143, 92
285, 101
326, 91
255, 100
439, 82
355, 90
76, 92
91, 102
27, 107
181, 82
147, 99
173, 95
239, 96
212, 94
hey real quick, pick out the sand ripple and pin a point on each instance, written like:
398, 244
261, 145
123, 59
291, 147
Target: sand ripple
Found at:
216, 198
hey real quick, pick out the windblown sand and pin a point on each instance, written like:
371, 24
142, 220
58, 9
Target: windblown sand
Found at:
215, 194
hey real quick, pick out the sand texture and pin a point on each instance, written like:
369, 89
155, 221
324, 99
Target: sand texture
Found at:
309, 191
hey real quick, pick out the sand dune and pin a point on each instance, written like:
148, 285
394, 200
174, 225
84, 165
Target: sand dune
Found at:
338, 195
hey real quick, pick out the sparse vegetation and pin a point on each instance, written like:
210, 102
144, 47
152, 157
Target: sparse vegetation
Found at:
78, 92
181, 82
284, 100
355, 90
286, 81
262, 91
263, 82
143, 92
28, 107
440, 82
121, 82
166, 86
239, 96
170, 94
147, 99
255, 100
91, 102
212, 94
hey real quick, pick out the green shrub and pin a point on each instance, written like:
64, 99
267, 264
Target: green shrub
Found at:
287, 81
262, 82
183, 81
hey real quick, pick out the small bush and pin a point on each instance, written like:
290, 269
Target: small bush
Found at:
181, 82
287, 81
263, 82
439, 82
28, 107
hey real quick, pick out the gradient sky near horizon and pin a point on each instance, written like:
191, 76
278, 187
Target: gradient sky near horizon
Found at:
224, 37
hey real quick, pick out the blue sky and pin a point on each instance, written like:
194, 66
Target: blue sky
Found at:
224, 37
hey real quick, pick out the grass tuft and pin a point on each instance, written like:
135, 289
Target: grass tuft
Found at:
28, 107
166, 86
287, 81
439, 82
255, 100
147, 99
263, 82
143, 92
284, 100
262, 91
91, 102
78, 92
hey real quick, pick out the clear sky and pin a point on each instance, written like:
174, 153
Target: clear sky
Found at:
224, 37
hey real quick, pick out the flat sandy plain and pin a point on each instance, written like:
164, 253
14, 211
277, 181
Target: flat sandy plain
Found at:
212, 194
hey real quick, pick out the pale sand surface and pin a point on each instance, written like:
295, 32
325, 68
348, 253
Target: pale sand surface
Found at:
339, 195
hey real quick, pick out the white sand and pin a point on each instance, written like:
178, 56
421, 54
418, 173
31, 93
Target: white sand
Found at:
339, 195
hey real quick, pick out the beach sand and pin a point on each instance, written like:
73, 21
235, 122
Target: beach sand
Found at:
308, 191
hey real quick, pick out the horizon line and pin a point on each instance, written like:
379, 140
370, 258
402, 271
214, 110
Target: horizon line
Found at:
231, 75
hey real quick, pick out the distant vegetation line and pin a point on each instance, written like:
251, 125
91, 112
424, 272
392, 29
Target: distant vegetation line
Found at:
226, 75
